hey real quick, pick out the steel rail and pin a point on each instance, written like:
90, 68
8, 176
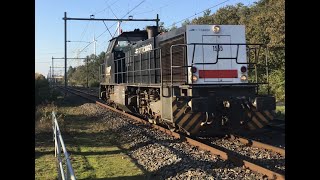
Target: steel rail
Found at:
258, 144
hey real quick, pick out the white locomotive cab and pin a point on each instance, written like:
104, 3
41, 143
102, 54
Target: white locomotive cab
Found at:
225, 70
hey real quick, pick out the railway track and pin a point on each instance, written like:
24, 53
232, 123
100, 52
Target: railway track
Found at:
236, 155
277, 125
273, 135
265, 155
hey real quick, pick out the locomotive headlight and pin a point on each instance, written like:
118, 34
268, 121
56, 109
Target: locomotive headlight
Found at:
194, 78
243, 78
216, 29
190, 104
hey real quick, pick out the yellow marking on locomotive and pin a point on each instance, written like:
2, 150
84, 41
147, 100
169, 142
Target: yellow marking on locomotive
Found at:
186, 117
196, 128
174, 108
181, 111
261, 117
195, 118
251, 126
256, 121
268, 114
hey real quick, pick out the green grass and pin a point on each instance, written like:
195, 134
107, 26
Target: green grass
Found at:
280, 112
45, 167
94, 150
102, 162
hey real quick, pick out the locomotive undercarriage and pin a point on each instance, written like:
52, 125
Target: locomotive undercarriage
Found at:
143, 101
195, 110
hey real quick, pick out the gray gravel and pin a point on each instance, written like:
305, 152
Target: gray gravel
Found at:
272, 138
163, 156
92, 90
266, 158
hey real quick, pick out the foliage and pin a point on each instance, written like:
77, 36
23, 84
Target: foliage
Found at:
90, 69
280, 112
162, 28
277, 84
186, 22
42, 90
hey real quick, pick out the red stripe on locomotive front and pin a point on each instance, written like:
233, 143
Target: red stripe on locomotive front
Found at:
218, 73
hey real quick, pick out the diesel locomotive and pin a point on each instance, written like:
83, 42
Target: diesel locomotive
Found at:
194, 79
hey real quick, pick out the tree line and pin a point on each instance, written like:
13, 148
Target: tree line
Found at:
87, 74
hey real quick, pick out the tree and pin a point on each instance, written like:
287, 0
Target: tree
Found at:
277, 84
173, 27
205, 19
186, 22
78, 75
70, 71
40, 81
207, 13
162, 28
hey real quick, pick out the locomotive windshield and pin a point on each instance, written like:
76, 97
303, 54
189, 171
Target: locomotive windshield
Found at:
120, 43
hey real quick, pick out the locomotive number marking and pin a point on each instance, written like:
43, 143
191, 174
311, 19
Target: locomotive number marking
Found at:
143, 49
215, 48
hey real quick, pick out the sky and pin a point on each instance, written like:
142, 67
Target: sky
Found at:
49, 26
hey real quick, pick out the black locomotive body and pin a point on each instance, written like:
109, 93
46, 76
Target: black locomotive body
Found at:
194, 78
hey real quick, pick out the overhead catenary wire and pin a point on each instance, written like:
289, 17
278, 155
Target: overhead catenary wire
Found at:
81, 37
127, 14
113, 25
107, 28
197, 13
122, 17
114, 16
82, 34
150, 10
106, 7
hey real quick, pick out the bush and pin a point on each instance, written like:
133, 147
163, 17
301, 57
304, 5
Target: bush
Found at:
94, 84
42, 90
277, 84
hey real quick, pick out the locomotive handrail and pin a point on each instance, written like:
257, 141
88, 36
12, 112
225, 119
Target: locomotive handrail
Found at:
236, 58
140, 70
58, 144
220, 44
120, 71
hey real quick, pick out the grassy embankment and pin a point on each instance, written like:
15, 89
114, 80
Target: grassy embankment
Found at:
95, 152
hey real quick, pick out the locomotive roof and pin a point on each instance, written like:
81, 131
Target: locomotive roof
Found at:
135, 33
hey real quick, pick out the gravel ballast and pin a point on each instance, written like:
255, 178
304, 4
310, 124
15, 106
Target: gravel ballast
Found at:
162, 156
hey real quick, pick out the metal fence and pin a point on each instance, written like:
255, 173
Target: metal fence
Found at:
65, 170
